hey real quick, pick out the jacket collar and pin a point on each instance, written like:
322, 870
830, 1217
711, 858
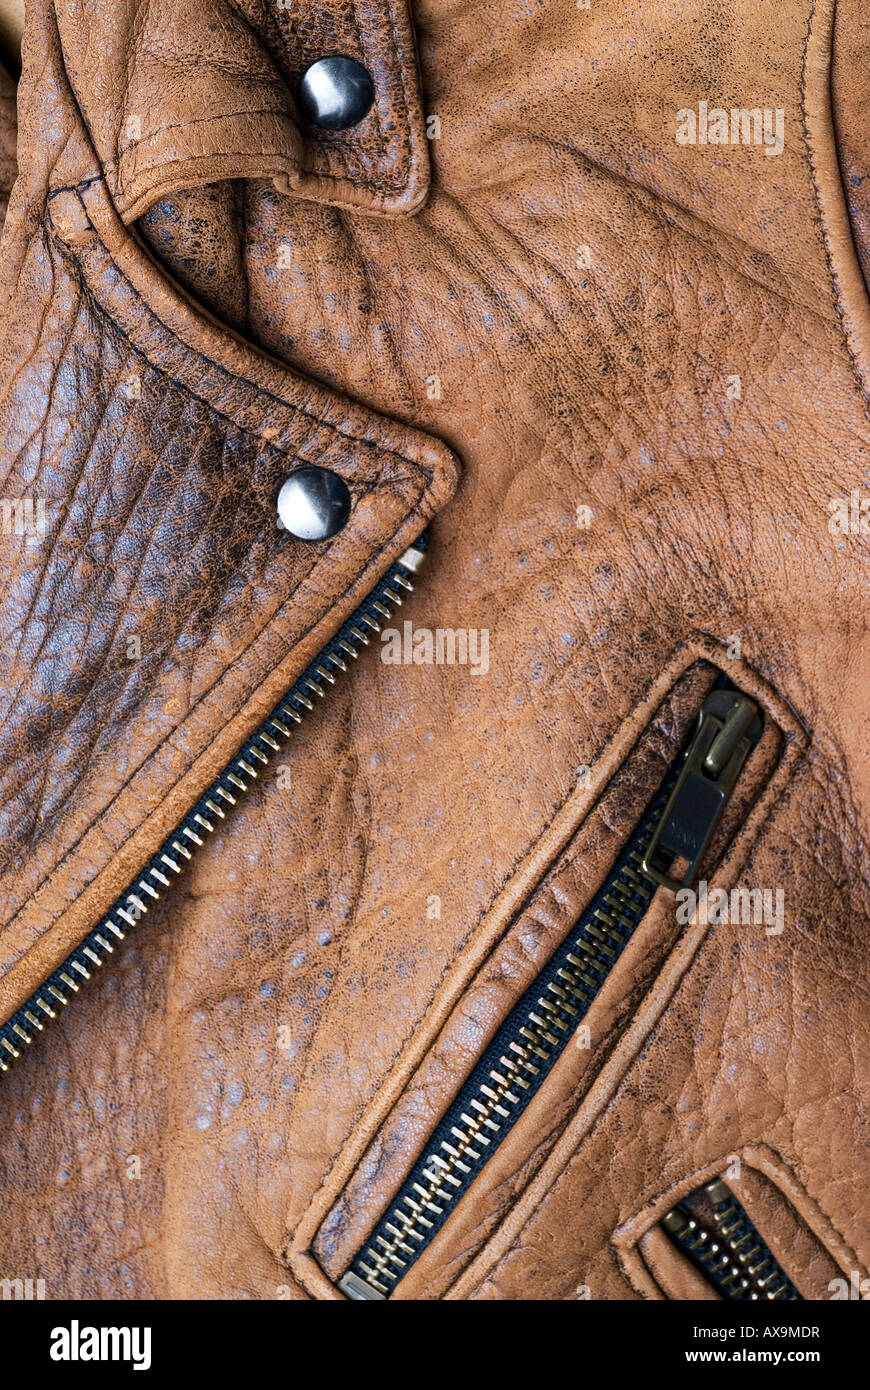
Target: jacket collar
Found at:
185, 92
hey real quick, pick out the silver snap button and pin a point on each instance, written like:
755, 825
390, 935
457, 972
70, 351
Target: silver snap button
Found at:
335, 93
313, 504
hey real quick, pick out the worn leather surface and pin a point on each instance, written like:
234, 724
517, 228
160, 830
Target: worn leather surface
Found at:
664, 1272
554, 905
585, 290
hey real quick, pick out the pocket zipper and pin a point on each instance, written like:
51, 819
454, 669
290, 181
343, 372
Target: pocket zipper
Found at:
224, 793
677, 825
713, 1231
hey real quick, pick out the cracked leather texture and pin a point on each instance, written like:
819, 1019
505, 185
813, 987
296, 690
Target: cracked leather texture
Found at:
711, 1074
159, 489
583, 289
512, 966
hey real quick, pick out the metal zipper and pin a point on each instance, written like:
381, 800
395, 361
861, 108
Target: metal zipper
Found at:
179, 849
713, 1231
675, 828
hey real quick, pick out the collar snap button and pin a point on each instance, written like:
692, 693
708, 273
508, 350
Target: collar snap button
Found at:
335, 93
313, 504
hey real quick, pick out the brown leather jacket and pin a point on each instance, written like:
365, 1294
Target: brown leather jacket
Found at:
530, 954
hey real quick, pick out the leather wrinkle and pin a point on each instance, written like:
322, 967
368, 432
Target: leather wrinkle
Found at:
655, 205
320, 148
559, 386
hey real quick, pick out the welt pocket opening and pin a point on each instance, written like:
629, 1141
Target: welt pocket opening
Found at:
711, 1231
743, 1230
582, 953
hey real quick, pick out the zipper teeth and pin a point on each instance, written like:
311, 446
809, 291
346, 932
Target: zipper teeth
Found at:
515, 1064
178, 850
733, 1255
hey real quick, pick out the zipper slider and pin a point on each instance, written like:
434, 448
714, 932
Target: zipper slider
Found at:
729, 727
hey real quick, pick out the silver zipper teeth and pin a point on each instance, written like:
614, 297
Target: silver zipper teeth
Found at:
490, 1111
178, 850
733, 1255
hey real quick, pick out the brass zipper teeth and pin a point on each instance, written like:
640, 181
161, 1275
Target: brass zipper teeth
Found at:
729, 1250
178, 850
521, 1055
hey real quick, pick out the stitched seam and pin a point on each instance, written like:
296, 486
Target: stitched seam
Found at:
67, 253
291, 453
789, 1168
608, 1109
812, 1197
115, 164
836, 292
509, 874
382, 184
534, 902
349, 204
242, 698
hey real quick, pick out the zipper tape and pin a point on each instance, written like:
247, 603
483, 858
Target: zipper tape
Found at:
513, 1068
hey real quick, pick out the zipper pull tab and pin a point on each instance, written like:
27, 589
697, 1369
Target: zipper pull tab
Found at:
729, 726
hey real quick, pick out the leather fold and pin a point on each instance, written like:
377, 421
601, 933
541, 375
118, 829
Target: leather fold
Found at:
180, 93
